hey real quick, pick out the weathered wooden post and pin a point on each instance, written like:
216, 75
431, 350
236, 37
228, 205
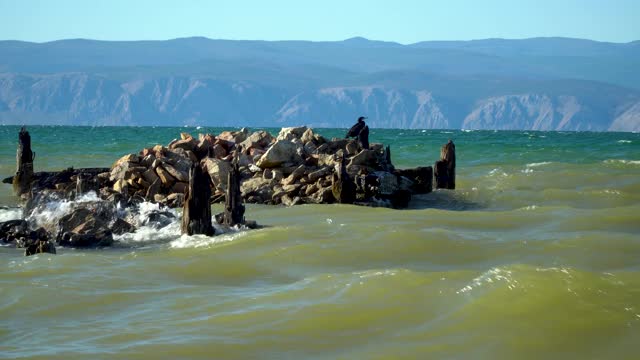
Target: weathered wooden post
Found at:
24, 159
343, 188
233, 207
196, 211
445, 168
85, 182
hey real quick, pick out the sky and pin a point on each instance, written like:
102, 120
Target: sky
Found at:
403, 21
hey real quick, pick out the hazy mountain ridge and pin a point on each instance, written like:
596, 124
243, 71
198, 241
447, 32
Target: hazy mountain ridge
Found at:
485, 84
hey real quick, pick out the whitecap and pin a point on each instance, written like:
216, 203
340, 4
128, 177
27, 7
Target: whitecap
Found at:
538, 164
10, 214
491, 276
625, 141
622, 161
150, 235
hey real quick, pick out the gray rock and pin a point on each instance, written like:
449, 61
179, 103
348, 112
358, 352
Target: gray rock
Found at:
279, 153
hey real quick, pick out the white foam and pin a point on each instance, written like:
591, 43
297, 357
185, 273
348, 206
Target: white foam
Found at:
538, 164
49, 213
196, 241
150, 235
622, 161
10, 214
625, 141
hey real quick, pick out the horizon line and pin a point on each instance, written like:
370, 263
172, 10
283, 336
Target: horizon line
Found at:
352, 39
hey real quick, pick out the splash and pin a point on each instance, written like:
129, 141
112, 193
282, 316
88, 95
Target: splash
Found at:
7, 214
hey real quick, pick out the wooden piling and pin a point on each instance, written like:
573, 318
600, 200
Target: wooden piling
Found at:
342, 186
445, 168
233, 207
196, 213
24, 159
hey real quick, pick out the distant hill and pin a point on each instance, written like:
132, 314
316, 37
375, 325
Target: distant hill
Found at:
542, 83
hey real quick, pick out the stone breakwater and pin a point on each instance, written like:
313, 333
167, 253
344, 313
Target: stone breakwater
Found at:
297, 166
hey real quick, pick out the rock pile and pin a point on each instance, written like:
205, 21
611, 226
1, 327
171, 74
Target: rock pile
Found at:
296, 167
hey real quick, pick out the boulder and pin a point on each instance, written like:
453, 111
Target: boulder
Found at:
175, 200
323, 196
218, 171
257, 190
150, 176
388, 183
218, 151
291, 201
153, 189
259, 139
422, 178
307, 137
148, 160
272, 174
39, 247
325, 160
120, 186
179, 187
310, 148
119, 171
85, 227
158, 219
12, 230
291, 133
322, 172
234, 136
100, 238
167, 179
295, 175
366, 158
180, 155
185, 144
120, 227
281, 152
129, 158
179, 175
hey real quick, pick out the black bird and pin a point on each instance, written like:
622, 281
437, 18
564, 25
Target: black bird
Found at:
355, 129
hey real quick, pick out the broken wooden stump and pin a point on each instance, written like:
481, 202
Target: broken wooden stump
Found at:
86, 182
233, 207
421, 176
24, 159
196, 214
343, 188
445, 168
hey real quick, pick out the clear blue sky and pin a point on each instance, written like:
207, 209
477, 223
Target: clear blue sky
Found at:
404, 21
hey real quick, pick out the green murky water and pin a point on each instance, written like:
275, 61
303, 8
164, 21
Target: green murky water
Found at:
535, 255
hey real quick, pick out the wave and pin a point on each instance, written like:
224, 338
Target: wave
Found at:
622, 161
625, 141
7, 214
530, 165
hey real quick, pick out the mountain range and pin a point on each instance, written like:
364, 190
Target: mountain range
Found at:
533, 84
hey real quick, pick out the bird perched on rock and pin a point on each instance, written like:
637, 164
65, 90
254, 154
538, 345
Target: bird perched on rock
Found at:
355, 129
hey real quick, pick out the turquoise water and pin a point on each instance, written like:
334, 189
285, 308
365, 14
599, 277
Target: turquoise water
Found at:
536, 254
